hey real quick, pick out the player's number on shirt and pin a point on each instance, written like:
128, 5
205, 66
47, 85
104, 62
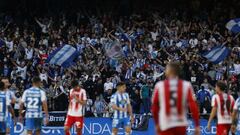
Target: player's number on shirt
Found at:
33, 103
225, 105
173, 100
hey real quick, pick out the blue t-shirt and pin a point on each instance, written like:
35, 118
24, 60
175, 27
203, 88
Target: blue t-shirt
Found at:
203, 95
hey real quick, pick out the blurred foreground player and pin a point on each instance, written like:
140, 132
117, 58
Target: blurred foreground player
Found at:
222, 104
5, 107
75, 114
34, 100
170, 103
235, 115
11, 96
122, 110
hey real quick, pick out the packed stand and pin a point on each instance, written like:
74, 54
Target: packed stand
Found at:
155, 40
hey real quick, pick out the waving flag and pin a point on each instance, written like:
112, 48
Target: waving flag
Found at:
63, 56
217, 54
124, 35
113, 50
234, 25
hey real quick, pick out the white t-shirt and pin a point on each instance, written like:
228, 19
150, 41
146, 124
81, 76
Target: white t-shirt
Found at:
29, 53
9, 45
108, 86
154, 35
43, 77
17, 104
45, 42
193, 42
22, 71
237, 68
150, 48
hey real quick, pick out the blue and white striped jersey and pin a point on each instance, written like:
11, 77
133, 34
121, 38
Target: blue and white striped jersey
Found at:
121, 100
4, 103
10, 96
237, 105
32, 99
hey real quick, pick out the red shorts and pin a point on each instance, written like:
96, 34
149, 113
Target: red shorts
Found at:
174, 131
70, 120
223, 129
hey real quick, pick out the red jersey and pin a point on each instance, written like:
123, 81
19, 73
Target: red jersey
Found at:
224, 104
171, 100
76, 109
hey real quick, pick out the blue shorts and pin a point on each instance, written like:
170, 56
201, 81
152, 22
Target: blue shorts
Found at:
33, 123
3, 127
120, 123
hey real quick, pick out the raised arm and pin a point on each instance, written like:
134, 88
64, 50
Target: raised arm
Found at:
38, 22
50, 22
14, 63
6, 27
111, 36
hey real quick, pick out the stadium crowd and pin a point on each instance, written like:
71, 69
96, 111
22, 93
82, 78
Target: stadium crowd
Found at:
155, 39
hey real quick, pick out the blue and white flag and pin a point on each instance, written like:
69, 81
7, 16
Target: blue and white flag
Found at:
63, 56
124, 35
217, 54
234, 25
113, 50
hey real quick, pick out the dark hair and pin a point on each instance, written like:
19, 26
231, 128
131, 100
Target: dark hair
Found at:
1, 85
222, 85
120, 84
36, 79
75, 83
175, 67
4, 78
